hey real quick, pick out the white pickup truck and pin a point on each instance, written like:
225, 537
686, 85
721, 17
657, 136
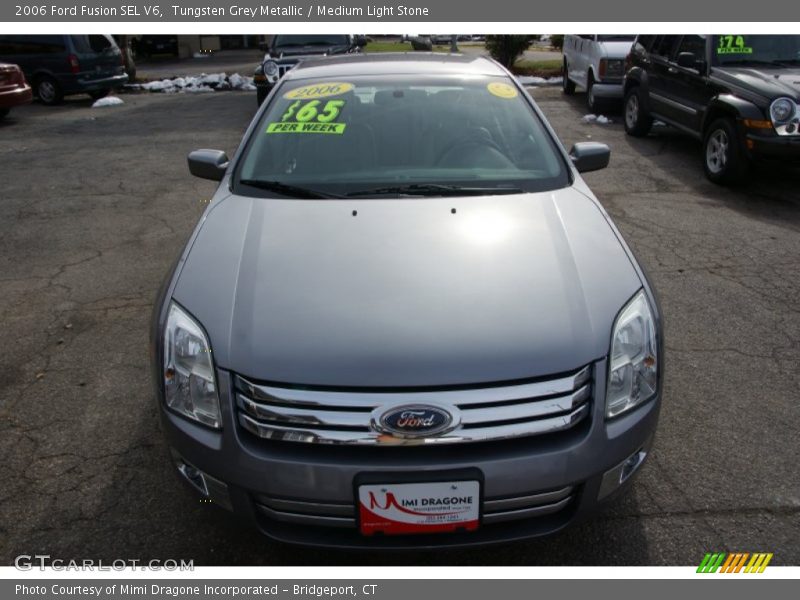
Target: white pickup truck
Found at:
597, 64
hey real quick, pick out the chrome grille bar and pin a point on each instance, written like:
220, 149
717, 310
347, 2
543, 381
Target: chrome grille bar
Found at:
360, 400
328, 514
483, 414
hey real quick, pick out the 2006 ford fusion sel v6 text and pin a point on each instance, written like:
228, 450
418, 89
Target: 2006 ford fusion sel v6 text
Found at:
404, 320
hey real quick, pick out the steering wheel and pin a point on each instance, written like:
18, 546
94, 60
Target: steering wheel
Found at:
474, 137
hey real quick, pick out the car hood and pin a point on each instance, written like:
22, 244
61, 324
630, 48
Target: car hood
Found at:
406, 292
616, 49
300, 51
768, 82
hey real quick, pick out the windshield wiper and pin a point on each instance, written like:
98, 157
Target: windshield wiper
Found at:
435, 189
285, 189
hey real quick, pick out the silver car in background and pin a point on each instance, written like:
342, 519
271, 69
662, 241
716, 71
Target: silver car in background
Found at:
404, 320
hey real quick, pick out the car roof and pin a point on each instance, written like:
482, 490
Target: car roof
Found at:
394, 63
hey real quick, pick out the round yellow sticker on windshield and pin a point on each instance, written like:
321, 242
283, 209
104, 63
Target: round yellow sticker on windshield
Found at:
318, 90
502, 90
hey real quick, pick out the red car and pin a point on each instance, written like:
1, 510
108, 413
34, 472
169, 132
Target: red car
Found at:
14, 90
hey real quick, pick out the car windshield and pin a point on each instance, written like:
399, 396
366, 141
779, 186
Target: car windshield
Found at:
772, 49
286, 41
616, 38
400, 135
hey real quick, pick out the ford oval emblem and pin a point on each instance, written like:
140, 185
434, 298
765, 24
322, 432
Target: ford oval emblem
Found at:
415, 420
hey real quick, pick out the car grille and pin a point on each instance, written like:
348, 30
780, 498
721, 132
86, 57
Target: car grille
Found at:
343, 515
348, 417
283, 69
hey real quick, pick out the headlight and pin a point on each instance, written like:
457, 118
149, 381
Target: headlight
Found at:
189, 382
611, 68
270, 68
633, 370
781, 110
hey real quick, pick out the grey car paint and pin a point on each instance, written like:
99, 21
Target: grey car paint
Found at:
406, 293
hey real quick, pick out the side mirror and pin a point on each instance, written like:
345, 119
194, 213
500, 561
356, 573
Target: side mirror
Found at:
208, 164
687, 60
590, 156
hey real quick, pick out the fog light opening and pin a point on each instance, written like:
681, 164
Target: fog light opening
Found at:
194, 476
631, 464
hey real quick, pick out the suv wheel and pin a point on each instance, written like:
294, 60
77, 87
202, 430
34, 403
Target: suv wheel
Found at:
723, 159
48, 90
567, 85
637, 121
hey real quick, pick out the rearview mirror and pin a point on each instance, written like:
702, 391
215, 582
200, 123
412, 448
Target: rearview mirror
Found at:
208, 164
590, 156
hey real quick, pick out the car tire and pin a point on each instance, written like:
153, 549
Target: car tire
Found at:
596, 105
638, 121
48, 90
261, 95
99, 94
4, 113
567, 85
724, 160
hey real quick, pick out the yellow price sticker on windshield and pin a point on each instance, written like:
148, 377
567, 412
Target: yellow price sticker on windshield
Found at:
295, 127
318, 90
502, 90
310, 116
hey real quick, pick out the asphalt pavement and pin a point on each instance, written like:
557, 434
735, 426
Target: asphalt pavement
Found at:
96, 204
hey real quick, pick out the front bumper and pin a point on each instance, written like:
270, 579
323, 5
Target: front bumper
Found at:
773, 147
608, 90
245, 474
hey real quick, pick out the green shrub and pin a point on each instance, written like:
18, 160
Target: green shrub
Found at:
557, 41
506, 49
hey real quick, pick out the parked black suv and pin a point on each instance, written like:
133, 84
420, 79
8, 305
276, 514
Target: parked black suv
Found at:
739, 94
285, 51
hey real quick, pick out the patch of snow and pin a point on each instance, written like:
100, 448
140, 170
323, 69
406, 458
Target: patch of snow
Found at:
659, 124
536, 81
203, 83
599, 119
198, 90
107, 101
237, 82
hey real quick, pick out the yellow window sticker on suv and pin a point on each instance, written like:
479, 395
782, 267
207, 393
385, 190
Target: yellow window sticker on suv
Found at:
733, 44
310, 116
502, 90
318, 90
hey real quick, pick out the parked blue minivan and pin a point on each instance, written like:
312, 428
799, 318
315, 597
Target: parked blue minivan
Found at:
63, 65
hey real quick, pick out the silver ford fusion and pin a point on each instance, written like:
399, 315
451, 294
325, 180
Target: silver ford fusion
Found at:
404, 320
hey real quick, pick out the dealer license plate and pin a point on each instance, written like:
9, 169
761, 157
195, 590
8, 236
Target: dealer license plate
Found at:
403, 508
